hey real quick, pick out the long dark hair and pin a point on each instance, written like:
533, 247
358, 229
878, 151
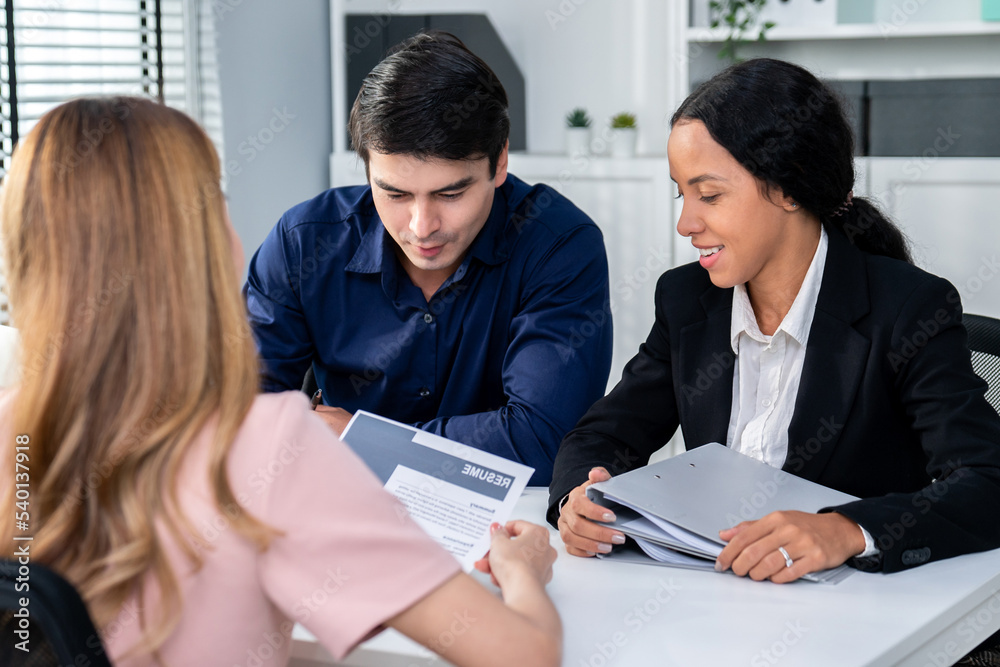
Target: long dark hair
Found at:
432, 98
789, 130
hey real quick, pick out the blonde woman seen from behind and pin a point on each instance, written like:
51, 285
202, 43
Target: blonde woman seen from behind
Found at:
198, 519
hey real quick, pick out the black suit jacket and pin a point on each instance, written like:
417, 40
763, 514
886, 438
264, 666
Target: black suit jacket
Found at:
889, 408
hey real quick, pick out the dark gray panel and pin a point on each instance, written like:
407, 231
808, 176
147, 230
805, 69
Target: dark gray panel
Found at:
369, 38
401, 28
362, 51
853, 100
481, 37
953, 118
935, 87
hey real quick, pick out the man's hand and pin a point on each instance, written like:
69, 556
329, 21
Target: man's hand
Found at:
583, 537
336, 418
813, 542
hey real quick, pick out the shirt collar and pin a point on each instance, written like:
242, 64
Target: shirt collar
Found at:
369, 255
798, 320
490, 245
744, 320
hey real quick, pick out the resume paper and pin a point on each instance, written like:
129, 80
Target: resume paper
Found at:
453, 491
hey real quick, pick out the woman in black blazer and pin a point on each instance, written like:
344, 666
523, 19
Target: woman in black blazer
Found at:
873, 392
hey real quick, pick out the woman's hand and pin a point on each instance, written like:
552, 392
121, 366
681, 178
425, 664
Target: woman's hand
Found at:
522, 629
516, 549
583, 537
813, 542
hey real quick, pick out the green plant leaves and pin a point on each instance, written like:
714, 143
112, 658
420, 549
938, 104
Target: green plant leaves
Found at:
578, 118
740, 17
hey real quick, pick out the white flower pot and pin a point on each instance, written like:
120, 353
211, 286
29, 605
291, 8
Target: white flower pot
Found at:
623, 142
577, 141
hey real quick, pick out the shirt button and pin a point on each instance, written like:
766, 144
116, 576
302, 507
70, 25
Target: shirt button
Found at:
428, 318
766, 402
424, 392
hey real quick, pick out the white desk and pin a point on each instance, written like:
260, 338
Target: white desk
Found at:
621, 614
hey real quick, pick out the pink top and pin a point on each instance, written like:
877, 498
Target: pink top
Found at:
350, 557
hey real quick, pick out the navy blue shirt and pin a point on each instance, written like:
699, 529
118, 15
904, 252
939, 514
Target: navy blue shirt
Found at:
506, 356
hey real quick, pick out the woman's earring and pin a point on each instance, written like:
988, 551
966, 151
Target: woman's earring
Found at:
795, 205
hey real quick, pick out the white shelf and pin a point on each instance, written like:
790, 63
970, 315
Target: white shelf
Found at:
347, 168
591, 166
856, 31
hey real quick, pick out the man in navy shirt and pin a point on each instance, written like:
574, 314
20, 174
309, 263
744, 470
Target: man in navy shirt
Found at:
447, 293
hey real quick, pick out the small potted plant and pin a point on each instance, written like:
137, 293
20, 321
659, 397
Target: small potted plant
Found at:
625, 134
577, 132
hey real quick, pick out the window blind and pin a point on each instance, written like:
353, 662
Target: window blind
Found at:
55, 50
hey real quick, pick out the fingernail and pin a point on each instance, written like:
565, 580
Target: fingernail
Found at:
618, 539
718, 566
604, 548
494, 527
590, 553
608, 516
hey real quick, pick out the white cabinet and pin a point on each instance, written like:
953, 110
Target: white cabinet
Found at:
948, 209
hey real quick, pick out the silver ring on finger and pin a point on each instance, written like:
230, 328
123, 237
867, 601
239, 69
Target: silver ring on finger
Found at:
788, 559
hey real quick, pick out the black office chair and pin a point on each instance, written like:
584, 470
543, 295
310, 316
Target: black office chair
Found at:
984, 341
60, 631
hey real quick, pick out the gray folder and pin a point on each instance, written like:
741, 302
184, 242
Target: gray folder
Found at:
707, 489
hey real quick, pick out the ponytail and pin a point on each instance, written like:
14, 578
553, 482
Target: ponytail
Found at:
867, 228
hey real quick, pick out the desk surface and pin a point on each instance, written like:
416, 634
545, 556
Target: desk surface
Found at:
627, 614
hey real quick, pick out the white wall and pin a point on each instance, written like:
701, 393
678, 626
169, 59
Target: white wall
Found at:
605, 56
274, 62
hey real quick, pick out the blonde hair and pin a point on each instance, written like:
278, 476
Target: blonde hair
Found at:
124, 288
